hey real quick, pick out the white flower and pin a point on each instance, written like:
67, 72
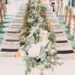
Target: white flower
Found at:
34, 50
34, 29
34, 11
43, 43
52, 59
44, 35
47, 50
52, 51
41, 19
30, 20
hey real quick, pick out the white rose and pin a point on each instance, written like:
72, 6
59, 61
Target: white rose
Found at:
34, 51
53, 51
44, 35
43, 43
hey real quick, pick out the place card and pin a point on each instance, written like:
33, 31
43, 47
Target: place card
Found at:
10, 46
61, 38
63, 48
13, 30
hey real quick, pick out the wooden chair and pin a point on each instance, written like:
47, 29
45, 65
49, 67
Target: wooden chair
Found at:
74, 28
66, 10
69, 18
63, 19
68, 23
1, 16
59, 8
73, 40
4, 8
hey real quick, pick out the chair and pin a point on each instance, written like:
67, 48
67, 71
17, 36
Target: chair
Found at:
73, 41
59, 8
4, 8
66, 13
63, 19
69, 18
1, 16
74, 28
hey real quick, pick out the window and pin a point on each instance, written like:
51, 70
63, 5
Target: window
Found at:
73, 3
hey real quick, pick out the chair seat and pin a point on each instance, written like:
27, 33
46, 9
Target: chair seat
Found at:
60, 20
8, 17
59, 17
73, 44
69, 36
1, 35
63, 25
5, 21
1, 39
65, 29
3, 30
6, 24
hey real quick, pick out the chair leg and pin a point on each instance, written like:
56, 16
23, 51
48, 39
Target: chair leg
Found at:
4, 9
1, 17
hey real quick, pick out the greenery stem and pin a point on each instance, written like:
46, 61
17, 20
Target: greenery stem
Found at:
47, 45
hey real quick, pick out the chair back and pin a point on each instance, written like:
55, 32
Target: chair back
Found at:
57, 11
59, 8
69, 18
1, 16
74, 28
66, 13
4, 7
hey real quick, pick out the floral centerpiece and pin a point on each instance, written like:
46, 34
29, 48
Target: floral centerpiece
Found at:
38, 42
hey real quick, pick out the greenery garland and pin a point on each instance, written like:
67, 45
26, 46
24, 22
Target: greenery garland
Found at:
35, 24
